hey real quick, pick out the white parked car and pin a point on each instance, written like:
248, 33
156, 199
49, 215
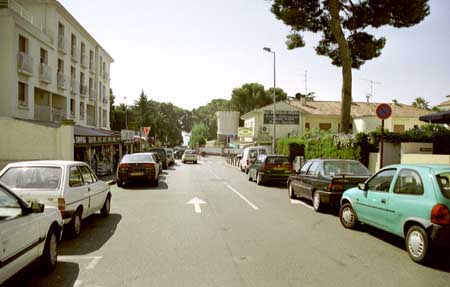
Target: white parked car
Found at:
70, 186
189, 155
27, 232
249, 155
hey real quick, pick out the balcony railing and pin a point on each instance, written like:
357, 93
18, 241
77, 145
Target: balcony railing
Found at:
82, 116
72, 115
74, 86
92, 95
62, 44
90, 120
62, 81
84, 60
58, 114
25, 63
45, 73
42, 113
83, 90
75, 53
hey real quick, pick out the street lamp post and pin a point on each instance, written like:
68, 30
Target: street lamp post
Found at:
126, 116
274, 118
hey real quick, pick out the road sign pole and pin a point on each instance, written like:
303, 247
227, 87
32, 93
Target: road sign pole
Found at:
382, 144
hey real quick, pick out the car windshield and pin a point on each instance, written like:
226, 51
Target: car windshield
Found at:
254, 153
40, 177
190, 152
344, 167
278, 160
444, 183
130, 158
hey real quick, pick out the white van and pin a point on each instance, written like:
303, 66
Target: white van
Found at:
250, 154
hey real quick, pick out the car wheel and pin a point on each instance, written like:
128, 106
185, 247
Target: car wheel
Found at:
250, 177
417, 244
242, 170
119, 183
291, 191
258, 179
347, 216
195, 162
50, 255
317, 204
106, 206
75, 224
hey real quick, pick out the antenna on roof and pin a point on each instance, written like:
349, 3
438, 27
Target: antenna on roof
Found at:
368, 96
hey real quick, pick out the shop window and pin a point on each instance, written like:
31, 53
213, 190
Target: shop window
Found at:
23, 94
23, 44
307, 126
399, 128
44, 56
325, 126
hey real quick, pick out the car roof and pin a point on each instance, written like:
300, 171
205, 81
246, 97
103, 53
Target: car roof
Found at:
433, 166
58, 163
333, 159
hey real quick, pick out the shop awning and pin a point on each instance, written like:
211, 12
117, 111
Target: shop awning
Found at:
85, 131
437, 118
85, 135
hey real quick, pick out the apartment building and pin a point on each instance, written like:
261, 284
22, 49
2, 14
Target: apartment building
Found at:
51, 68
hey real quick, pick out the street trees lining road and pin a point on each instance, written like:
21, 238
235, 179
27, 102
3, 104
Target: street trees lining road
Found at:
344, 25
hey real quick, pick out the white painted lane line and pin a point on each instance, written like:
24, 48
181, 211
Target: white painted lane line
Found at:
93, 260
93, 263
215, 175
241, 196
78, 283
295, 201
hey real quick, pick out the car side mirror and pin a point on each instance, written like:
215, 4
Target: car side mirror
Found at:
362, 186
35, 207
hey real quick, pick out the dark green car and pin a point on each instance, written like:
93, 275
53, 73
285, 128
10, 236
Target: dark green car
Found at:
270, 168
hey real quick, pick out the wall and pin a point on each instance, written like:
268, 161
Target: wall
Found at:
426, 158
315, 120
374, 161
8, 63
419, 148
371, 123
22, 140
281, 130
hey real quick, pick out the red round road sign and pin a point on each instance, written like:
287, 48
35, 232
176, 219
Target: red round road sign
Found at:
384, 111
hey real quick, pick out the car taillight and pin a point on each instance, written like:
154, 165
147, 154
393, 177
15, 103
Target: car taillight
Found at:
123, 166
440, 215
149, 165
335, 186
61, 204
265, 167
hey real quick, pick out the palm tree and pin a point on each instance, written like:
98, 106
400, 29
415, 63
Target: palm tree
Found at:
421, 103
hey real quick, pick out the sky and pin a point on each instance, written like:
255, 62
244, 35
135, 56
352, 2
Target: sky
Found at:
190, 52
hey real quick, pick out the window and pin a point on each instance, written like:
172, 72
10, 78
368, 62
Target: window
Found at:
82, 109
23, 94
73, 44
75, 178
29, 177
101, 66
444, 183
344, 167
60, 66
408, 182
91, 59
23, 44
44, 56
278, 160
83, 49
305, 167
307, 126
60, 30
72, 106
381, 181
82, 78
314, 168
9, 206
87, 177
399, 128
325, 126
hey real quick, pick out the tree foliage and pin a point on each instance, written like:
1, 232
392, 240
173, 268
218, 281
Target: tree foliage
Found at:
345, 27
251, 96
198, 135
421, 103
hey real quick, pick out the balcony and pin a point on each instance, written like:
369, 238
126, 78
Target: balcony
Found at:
47, 113
92, 95
62, 81
62, 44
83, 90
74, 86
25, 63
75, 53
72, 115
45, 73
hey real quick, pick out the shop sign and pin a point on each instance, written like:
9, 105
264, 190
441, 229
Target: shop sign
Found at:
283, 117
80, 140
127, 134
245, 132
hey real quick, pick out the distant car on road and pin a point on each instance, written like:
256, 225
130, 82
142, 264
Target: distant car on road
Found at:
270, 168
324, 180
170, 156
410, 201
249, 155
69, 185
189, 155
138, 167
163, 154
27, 232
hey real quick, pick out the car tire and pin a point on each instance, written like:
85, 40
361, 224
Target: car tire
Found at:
119, 183
291, 192
258, 179
240, 167
250, 177
317, 204
106, 208
75, 224
418, 244
49, 256
195, 162
348, 216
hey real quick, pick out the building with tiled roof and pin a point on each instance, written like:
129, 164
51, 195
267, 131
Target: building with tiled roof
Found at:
294, 117
445, 106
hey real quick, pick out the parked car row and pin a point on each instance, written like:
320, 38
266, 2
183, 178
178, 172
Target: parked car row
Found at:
410, 201
40, 199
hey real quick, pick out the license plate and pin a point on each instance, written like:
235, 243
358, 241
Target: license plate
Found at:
137, 174
279, 168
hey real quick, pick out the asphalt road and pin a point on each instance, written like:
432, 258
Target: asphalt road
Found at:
243, 235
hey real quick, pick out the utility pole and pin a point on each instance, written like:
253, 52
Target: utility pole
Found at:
126, 113
306, 82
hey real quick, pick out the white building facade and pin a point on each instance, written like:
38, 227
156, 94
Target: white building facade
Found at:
51, 68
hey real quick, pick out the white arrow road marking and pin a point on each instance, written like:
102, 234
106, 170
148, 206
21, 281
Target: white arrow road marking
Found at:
241, 196
196, 202
296, 201
94, 260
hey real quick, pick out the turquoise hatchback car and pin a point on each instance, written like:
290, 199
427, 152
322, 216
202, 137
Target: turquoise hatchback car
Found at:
411, 201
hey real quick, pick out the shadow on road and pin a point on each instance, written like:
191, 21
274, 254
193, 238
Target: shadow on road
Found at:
96, 231
145, 186
65, 275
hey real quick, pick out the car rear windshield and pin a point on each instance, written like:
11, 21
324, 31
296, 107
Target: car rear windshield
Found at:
255, 152
129, 158
336, 168
444, 183
40, 177
277, 160
190, 152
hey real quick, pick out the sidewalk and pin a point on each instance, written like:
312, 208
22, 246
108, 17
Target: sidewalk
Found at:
109, 179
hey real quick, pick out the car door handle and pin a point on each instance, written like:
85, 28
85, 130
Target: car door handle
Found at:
383, 200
